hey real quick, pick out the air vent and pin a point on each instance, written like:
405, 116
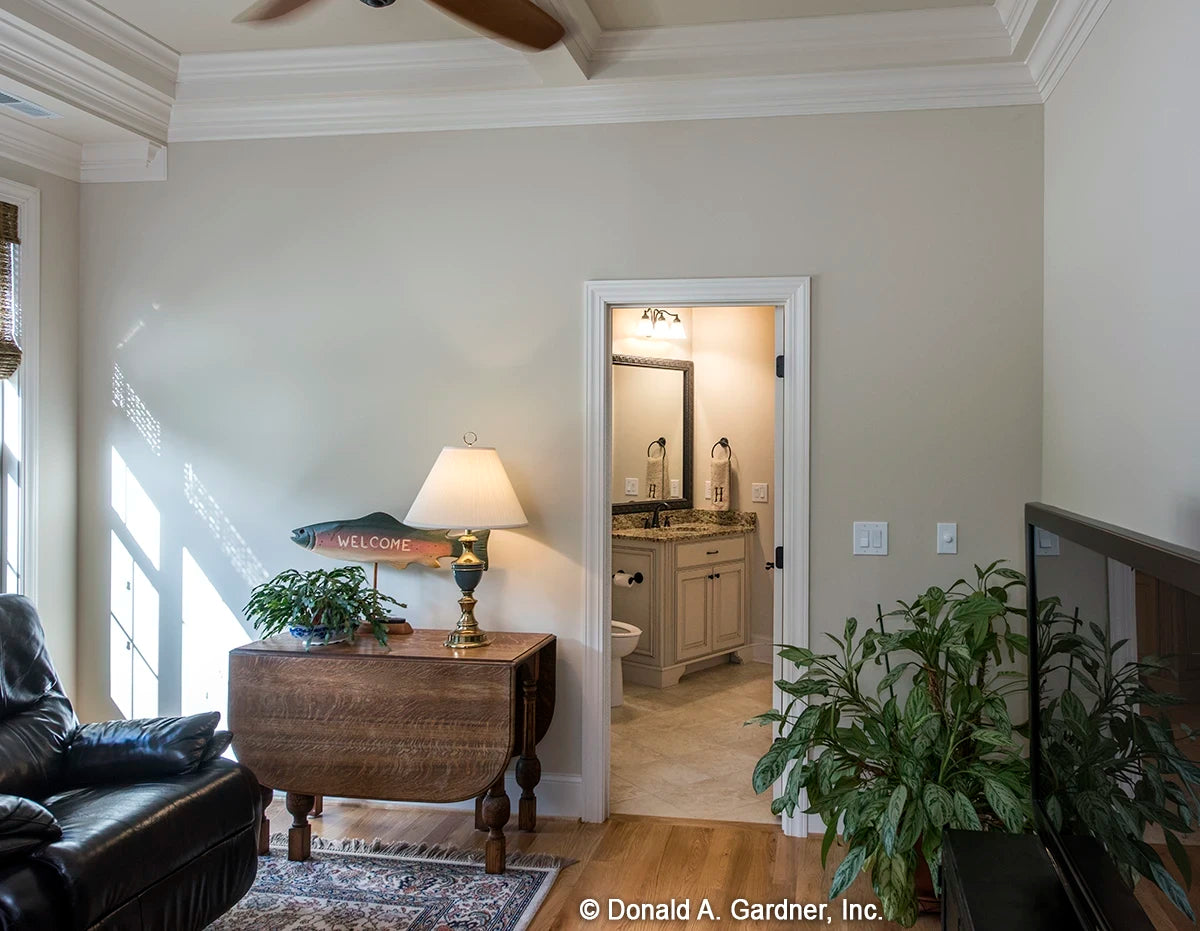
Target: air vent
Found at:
26, 107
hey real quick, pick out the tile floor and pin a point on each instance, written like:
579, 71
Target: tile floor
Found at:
683, 752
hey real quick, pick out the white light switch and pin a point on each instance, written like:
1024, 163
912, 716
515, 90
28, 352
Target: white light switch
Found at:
947, 538
675, 488
870, 538
1045, 543
708, 491
631, 486
758, 492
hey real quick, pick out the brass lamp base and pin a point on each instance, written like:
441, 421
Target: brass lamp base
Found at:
468, 570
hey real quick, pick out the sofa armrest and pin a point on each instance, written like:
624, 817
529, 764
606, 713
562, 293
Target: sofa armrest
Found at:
25, 826
127, 751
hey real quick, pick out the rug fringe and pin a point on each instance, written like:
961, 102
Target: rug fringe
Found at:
433, 852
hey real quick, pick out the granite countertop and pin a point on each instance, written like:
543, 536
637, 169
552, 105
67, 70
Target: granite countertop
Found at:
686, 524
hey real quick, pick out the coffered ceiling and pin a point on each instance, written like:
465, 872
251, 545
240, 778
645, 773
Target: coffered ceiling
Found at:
131, 76
207, 25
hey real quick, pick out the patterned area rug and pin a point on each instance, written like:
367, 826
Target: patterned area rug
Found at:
360, 886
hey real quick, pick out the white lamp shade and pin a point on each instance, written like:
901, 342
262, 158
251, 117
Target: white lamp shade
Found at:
466, 489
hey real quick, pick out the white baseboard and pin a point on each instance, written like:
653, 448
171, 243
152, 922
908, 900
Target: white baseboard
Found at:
559, 795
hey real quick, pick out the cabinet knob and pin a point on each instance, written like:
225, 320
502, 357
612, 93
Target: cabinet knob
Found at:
717, 576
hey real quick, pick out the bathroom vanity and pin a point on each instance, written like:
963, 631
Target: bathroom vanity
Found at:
693, 603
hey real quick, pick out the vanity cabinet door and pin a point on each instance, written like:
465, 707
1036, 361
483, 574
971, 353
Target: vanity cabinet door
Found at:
693, 612
729, 605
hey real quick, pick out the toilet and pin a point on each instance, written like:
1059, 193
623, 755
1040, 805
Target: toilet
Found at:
625, 639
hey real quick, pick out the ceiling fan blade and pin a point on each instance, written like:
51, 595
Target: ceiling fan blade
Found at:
265, 10
520, 21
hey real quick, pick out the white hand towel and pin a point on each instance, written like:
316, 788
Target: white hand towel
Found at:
656, 473
719, 476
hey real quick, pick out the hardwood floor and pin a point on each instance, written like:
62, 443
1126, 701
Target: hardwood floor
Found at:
634, 858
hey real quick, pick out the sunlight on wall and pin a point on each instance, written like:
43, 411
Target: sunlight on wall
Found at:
135, 509
127, 400
232, 543
210, 631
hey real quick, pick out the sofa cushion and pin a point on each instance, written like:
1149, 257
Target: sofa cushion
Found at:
119, 840
127, 751
24, 827
36, 720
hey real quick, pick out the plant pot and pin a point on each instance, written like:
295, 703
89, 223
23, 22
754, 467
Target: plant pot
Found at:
320, 635
928, 902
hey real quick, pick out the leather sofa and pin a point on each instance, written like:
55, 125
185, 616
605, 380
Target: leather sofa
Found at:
122, 825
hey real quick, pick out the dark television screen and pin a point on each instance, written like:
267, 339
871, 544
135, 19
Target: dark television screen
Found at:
1115, 684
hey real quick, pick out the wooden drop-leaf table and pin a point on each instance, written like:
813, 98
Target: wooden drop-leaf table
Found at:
410, 722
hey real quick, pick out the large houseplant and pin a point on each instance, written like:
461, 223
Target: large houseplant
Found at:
320, 606
893, 770
1111, 763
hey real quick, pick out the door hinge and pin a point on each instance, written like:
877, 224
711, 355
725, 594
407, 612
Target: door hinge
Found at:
779, 557
779, 366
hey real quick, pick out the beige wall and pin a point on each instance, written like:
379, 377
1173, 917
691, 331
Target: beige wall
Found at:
58, 409
1122, 304
320, 316
734, 352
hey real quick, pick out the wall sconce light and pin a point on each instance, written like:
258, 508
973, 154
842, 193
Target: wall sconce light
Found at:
660, 324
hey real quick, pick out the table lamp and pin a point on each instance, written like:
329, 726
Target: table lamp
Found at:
468, 488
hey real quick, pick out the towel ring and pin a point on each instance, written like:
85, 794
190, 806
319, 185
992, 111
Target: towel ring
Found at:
661, 442
724, 443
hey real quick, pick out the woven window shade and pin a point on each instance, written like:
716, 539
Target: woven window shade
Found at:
10, 323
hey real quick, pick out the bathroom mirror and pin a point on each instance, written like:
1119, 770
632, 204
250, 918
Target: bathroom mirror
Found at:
652, 401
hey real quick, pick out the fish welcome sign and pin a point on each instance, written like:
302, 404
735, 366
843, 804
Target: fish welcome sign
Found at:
380, 538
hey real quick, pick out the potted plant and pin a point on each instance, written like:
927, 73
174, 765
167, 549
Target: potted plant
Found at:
892, 771
321, 606
1111, 764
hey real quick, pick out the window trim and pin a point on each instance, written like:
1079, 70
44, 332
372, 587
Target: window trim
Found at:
28, 202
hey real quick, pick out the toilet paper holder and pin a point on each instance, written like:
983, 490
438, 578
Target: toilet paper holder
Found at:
637, 577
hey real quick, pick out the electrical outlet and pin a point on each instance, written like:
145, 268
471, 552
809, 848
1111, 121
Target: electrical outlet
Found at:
870, 538
631, 487
758, 492
675, 493
708, 491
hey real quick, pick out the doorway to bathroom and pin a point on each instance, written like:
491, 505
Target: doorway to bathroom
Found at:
698, 449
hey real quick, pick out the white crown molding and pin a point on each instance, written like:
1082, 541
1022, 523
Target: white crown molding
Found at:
951, 86
109, 37
37, 56
583, 31
33, 146
1066, 30
137, 160
845, 42
1015, 15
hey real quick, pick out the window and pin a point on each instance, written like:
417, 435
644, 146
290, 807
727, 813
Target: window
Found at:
12, 573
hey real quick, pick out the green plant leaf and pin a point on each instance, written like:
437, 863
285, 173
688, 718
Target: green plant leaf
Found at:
1166, 882
850, 867
830, 837
939, 805
1180, 856
1005, 804
964, 816
890, 822
772, 764
798, 655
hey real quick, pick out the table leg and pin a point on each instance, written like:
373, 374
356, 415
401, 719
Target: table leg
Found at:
495, 816
529, 767
264, 826
479, 825
318, 806
300, 834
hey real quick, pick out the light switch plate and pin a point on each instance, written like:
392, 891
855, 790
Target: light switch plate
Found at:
947, 539
675, 488
631, 487
708, 491
758, 492
1045, 543
870, 538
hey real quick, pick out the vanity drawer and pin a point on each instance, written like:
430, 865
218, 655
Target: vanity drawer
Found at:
706, 552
